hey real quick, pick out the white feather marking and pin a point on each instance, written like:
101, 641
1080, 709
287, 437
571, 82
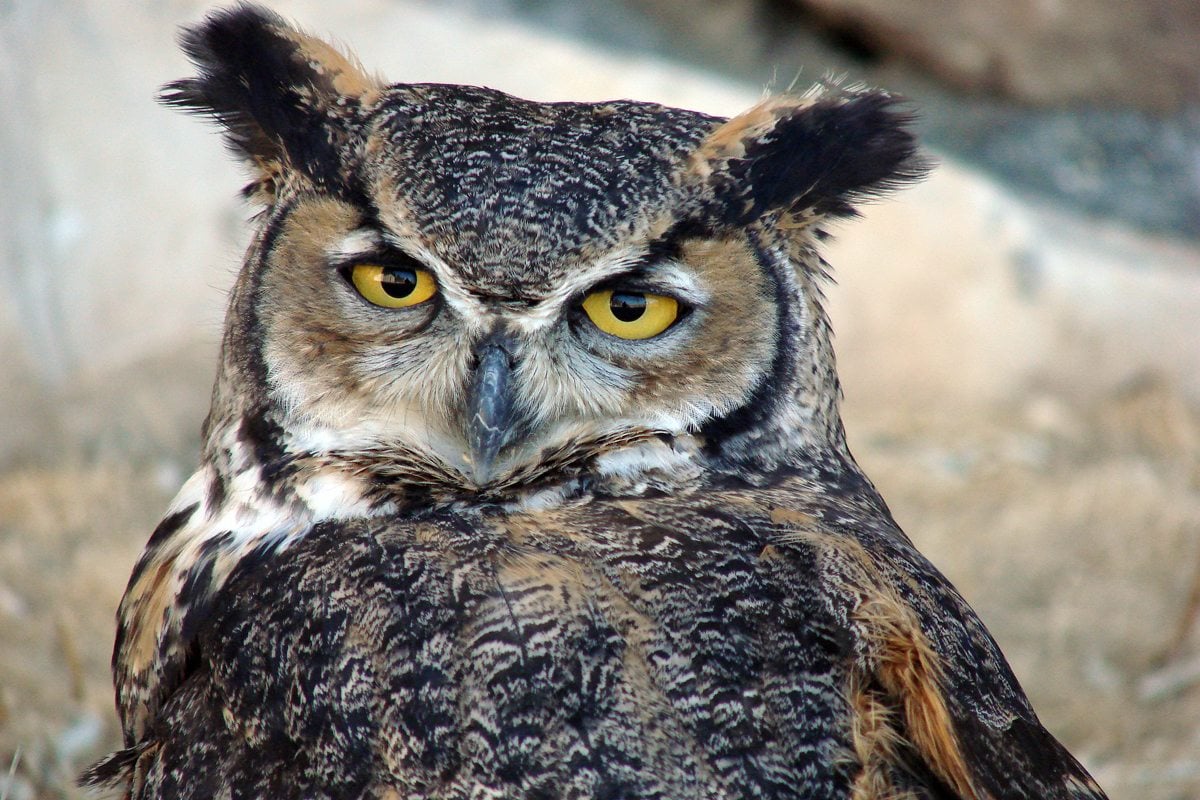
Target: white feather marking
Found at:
356, 244
193, 492
654, 456
329, 495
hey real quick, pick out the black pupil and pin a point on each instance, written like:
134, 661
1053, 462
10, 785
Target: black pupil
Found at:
398, 282
627, 307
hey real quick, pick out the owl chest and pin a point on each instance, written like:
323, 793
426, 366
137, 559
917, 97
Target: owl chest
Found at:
657, 663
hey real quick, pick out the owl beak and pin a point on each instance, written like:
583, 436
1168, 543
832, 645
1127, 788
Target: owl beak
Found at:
490, 404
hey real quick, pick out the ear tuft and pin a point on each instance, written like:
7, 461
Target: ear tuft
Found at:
821, 153
279, 93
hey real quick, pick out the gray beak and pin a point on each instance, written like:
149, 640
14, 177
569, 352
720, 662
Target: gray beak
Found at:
490, 405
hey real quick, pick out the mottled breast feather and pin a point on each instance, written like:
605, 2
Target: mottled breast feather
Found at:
741, 644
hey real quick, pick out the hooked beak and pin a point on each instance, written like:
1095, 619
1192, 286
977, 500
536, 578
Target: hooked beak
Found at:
489, 403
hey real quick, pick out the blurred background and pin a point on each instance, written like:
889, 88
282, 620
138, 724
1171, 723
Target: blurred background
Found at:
1019, 336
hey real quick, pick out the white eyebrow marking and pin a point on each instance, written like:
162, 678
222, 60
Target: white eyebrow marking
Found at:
358, 242
548, 309
676, 276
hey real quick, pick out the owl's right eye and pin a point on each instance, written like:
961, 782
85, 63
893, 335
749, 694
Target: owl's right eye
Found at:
393, 286
631, 315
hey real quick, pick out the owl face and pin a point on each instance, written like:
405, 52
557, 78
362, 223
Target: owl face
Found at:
370, 335
475, 281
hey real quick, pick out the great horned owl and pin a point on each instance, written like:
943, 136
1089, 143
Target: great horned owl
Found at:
525, 477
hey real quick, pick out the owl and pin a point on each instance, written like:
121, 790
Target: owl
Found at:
524, 475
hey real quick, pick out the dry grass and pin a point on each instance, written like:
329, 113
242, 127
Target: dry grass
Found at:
68, 538
1073, 529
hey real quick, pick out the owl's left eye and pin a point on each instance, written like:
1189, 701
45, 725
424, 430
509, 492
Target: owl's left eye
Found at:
631, 315
392, 286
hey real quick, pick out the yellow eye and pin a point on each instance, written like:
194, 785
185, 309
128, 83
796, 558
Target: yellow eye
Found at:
631, 315
393, 287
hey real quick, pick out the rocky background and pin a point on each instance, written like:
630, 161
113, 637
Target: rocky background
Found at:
1019, 336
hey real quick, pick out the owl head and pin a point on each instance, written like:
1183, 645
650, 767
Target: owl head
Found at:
456, 289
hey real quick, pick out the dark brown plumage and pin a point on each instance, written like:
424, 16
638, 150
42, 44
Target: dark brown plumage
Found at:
524, 475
